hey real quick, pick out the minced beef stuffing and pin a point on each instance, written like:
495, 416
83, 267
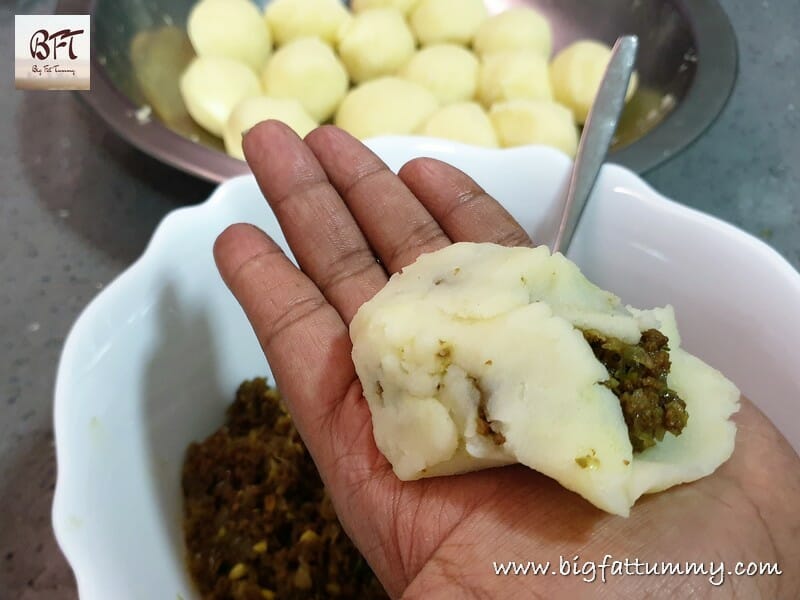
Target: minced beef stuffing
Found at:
258, 523
638, 377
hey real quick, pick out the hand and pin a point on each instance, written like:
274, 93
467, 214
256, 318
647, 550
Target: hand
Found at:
341, 210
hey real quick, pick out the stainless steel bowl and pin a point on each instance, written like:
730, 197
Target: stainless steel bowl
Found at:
687, 67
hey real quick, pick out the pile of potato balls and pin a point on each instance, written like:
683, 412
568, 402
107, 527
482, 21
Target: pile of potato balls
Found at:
440, 68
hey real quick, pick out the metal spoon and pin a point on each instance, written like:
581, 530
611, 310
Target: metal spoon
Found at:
596, 137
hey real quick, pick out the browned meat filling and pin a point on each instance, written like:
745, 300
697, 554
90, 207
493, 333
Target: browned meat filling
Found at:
638, 377
258, 523
483, 425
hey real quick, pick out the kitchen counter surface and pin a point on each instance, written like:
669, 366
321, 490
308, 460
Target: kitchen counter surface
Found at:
77, 206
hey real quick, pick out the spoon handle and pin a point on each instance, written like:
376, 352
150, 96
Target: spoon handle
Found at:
596, 137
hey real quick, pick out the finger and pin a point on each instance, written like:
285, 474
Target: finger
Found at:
396, 225
463, 209
307, 346
297, 329
323, 235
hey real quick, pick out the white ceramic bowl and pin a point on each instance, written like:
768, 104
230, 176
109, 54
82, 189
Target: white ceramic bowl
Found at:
153, 361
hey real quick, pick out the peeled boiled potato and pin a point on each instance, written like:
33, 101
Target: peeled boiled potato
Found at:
252, 111
518, 28
308, 70
474, 357
522, 122
385, 106
230, 29
466, 56
576, 73
211, 87
291, 19
404, 6
456, 21
376, 42
464, 122
449, 71
514, 75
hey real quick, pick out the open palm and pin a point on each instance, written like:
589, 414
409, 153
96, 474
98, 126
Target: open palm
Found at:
351, 223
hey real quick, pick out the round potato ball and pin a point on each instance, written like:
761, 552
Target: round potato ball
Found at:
522, 122
376, 42
211, 87
252, 111
576, 73
210, 25
291, 19
514, 75
448, 70
464, 122
308, 70
385, 106
456, 21
404, 6
518, 28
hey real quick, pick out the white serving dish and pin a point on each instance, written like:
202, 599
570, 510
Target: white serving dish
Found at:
153, 361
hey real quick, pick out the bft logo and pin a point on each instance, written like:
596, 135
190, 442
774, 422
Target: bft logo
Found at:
52, 52
45, 45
